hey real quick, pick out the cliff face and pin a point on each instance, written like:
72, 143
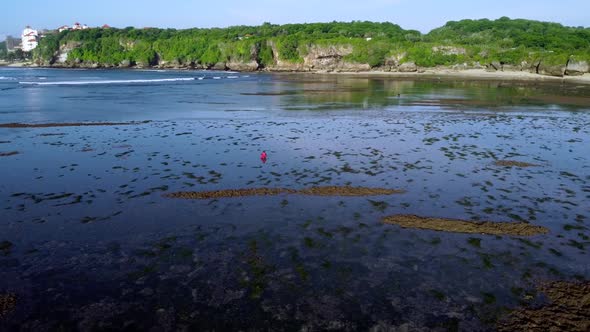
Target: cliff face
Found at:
575, 67
61, 58
496, 45
323, 58
330, 58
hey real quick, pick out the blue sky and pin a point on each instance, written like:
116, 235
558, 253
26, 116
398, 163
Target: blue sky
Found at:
421, 15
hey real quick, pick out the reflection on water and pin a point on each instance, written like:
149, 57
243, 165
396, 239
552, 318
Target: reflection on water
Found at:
346, 92
89, 240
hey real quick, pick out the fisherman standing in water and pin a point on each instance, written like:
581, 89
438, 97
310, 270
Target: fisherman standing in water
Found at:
263, 157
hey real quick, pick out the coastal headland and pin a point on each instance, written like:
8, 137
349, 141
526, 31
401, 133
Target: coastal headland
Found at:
507, 49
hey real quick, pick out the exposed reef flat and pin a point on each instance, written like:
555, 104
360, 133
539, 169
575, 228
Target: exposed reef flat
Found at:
7, 304
463, 226
513, 163
568, 310
313, 191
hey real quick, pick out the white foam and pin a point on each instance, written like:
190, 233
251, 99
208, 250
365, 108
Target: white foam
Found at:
216, 78
232, 76
110, 81
7, 78
154, 70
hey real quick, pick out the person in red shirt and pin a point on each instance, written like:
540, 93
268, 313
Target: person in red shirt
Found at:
263, 157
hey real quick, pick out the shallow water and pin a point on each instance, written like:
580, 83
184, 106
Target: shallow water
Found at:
94, 240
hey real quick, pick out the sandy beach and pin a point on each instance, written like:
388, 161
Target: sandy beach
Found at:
473, 74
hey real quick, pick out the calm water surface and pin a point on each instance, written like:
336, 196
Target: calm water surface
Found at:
95, 245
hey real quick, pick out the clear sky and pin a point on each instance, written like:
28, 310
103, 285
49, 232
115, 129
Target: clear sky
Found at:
422, 15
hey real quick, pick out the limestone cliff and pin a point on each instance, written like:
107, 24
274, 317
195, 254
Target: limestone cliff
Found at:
323, 58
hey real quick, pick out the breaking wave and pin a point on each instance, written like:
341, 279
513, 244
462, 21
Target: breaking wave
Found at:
111, 81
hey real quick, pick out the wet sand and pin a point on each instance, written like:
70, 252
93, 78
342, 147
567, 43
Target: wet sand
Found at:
474, 74
462, 226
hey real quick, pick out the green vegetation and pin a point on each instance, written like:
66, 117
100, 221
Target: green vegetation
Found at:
476, 242
502, 41
17, 55
3, 51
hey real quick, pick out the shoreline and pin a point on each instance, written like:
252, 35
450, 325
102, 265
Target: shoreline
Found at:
422, 73
472, 75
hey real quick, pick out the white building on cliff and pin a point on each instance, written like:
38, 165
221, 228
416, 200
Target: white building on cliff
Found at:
78, 26
30, 39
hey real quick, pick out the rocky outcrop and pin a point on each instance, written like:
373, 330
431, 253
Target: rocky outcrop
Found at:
392, 62
243, 66
449, 50
173, 64
351, 67
286, 66
532, 67
64, 50
320, 58
495, 66
219, 66
125, 64
281, 65
576, 67
506, 67
551, 70
408, 67
328, 58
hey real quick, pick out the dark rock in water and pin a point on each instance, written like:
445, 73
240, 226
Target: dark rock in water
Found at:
147, 292
7, 304
5, 247
100, 316
576, 67
10, 262
8, 154
166, 319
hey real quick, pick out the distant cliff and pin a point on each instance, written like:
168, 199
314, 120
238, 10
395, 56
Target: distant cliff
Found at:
503, 44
